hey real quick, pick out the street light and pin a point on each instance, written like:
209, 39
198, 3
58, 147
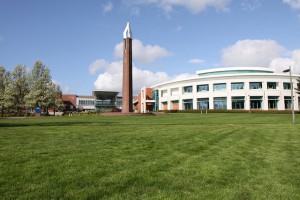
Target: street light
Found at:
292, 96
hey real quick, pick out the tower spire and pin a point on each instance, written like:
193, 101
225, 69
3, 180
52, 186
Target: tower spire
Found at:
127, 32
127, 71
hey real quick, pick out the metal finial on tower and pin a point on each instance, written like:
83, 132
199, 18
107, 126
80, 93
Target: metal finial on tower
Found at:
127, 32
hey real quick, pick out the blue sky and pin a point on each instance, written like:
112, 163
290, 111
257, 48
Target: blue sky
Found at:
81, 41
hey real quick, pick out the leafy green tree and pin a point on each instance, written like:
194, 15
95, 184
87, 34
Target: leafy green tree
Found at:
39, 85
7, 93
2, 89
56, 103
19, 89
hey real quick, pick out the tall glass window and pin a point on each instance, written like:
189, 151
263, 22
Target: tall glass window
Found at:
203, 103
220, 103
188, 89
255, 85
256, 102
287, 102
202, 88
219, 86
188, 104
271, 85
273, 102
238, 102
237, 86
287, 86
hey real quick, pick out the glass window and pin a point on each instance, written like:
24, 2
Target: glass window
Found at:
219, 86
271, 85
188, 89
187, 104
203, 103
238, 102
237, 86
202, 88
287, 86
255, 85
255, 102
272, 102
220, 103
287, 102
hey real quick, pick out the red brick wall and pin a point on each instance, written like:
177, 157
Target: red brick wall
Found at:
69, 101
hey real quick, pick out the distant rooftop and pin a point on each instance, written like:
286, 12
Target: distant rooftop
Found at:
100, 94
233, 70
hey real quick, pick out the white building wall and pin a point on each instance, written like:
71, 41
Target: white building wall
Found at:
264, 92
86, 106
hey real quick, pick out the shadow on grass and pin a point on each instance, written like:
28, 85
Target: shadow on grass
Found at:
75, 123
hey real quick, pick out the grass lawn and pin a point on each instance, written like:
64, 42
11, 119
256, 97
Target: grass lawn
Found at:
175, 156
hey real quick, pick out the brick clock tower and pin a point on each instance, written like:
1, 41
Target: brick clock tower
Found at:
127, 71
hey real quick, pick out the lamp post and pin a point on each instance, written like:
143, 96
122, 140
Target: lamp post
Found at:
292, 96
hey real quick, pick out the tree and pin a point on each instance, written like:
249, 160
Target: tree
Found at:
39, 86
2, 89
56, 102
7, 93
19, 89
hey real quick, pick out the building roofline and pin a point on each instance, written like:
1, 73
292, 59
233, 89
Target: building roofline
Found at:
226, 75
262, 69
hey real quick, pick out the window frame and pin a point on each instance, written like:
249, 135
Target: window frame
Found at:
187, 87
255, 88
215, 88
204, 86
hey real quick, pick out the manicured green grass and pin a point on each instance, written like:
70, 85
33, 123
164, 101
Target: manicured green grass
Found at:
175, 156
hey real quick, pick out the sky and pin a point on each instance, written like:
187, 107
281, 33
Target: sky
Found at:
81, 41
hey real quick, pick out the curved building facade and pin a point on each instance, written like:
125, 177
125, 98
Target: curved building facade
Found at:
235, 88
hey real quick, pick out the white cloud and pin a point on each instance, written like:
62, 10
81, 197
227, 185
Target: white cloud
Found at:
261, 53
282, 63
108, 7
195, 6
96, 65
143, 54
111, 78
256, 53
295, 4
250, 5
196, 61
